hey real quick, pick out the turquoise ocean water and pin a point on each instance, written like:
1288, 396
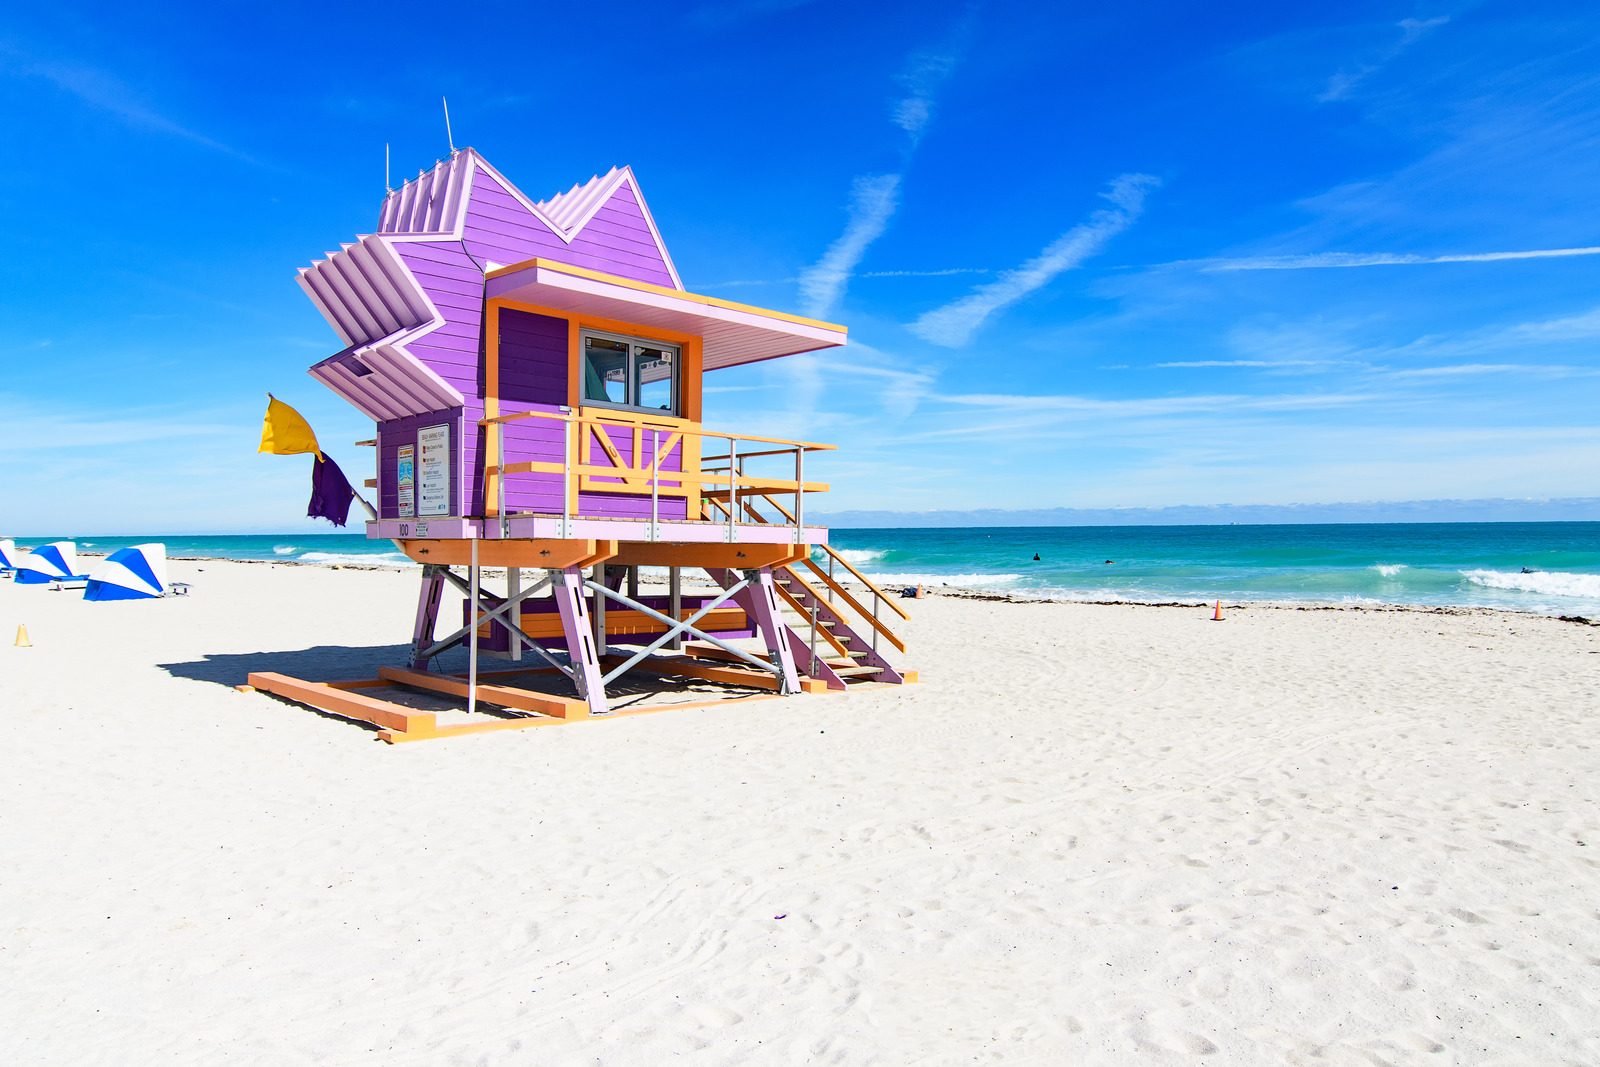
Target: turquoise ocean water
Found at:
1461, 564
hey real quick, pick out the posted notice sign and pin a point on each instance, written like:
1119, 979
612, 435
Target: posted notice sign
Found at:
433, 470
405, 480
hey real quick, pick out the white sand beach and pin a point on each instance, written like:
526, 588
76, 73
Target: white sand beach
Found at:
1091, 835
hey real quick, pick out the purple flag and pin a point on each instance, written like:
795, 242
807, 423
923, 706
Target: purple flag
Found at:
330, 492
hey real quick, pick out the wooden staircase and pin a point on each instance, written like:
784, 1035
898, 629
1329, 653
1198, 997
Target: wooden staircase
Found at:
832, 633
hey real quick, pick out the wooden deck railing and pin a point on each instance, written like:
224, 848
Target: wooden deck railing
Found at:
701, 481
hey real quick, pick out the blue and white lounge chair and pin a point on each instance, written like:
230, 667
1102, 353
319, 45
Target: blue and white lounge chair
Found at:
135, 573
8, 558
55, 564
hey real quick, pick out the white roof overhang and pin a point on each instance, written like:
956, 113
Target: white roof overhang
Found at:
731, 333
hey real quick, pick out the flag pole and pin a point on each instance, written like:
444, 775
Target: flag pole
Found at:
472, 646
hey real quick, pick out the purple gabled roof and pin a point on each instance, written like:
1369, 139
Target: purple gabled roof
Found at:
465, 197
408, 300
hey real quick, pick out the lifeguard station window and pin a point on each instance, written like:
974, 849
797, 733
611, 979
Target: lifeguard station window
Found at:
630, 372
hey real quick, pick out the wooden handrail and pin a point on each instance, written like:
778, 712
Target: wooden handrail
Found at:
868, 582
839, 647
833, 584
622, 474
676, 427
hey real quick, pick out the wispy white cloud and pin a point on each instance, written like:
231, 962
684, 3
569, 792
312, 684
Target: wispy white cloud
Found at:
924, 74
1461, 370
1252, 363
1334, 260
105, 92
896, 391
1006, 416
1435, 359
28, 427
1345, 81
1157, 405
873, 200
945, 273
954, 324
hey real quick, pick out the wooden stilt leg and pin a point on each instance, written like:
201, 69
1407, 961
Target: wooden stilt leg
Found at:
675, 603
567, 586
513, 587
760, 603
598, 616
427, 614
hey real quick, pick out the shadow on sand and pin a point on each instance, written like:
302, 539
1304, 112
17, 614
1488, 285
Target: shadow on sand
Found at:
323, 663
326, 663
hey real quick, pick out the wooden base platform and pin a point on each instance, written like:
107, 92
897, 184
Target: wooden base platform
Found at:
504, 707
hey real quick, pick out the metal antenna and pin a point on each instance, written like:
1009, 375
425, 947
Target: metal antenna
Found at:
448, 136
387, 187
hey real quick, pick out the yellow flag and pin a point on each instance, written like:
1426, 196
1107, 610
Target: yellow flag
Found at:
285, 432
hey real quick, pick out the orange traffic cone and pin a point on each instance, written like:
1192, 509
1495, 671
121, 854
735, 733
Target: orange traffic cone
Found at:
1216, 616
22, 638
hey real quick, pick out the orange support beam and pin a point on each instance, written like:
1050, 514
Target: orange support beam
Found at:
546, 554
393, 717
502, 696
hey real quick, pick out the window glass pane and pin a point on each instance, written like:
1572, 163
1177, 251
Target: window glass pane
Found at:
656, 376
605, 370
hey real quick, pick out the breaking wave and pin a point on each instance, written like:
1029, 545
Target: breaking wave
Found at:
1389, 570
285, 550
859, 556
958, 581
1545, 583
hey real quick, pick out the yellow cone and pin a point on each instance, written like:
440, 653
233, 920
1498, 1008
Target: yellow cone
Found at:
22, 638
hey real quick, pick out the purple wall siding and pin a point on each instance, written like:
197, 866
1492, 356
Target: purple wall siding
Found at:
451, 279
501, 229
396, 432
533, 439
533, 358
627, 506
533, 377
472, 455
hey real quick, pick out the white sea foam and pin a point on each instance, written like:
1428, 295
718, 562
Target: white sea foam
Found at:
859, 556
285, 550
1389, 570
376, 559
959, 581
1545, 583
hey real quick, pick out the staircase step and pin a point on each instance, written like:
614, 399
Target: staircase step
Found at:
850, 670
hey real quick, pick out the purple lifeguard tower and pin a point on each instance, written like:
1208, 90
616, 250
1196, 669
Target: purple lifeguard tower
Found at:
534, 369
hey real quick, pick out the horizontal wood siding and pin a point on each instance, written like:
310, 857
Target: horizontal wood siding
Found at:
396, 432
537, 440
627, 506
533, 358
455, 285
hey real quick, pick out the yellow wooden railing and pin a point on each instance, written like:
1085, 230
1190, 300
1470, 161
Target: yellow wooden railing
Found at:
700, 480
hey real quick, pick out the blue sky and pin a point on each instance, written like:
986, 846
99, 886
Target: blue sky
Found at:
1177, 255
